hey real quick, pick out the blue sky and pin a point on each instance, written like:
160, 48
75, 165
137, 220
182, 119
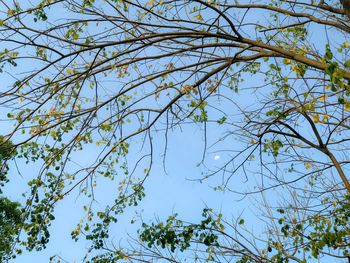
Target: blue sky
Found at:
166, 193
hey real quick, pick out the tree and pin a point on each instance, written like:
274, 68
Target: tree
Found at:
10, 214
7, 152
10, 220
116, 72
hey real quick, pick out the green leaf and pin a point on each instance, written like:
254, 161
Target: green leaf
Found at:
347, 63
329, 54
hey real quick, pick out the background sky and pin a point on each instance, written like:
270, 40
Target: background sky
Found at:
166, 192
165, 195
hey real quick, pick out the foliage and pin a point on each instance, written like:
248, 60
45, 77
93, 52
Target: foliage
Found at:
10, 212
10, 219
330, 230
175, 235
7, 152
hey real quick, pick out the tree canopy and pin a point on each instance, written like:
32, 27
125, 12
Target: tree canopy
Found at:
267, 82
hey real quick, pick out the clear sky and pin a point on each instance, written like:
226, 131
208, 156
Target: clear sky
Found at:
167, 192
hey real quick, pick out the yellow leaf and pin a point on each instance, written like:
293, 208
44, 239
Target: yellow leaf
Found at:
58, 197
307, 166
11, 12
212, 88
187, 89
75, 36
316, 118
310, 107
325, 118
322, 99
286, 61
198, 16
151, 2
347, 106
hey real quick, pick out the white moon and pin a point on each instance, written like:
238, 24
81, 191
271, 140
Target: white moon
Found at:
216, 157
